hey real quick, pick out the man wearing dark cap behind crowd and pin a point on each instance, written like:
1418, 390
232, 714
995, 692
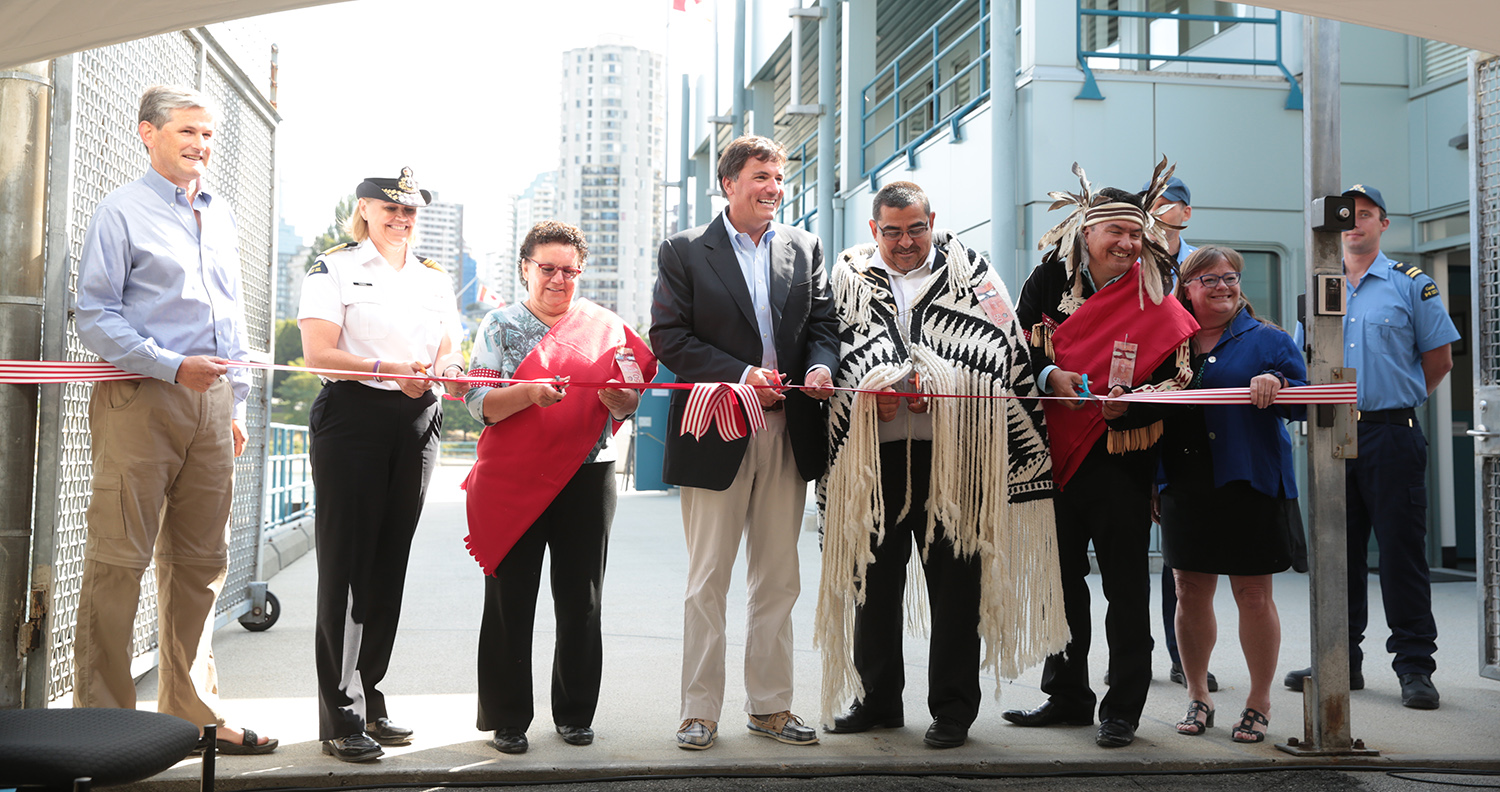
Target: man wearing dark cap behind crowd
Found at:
1398, 337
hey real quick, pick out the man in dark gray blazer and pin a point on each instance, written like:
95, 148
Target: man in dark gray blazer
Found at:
744, 299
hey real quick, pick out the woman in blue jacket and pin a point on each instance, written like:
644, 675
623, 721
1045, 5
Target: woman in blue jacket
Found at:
1230, 486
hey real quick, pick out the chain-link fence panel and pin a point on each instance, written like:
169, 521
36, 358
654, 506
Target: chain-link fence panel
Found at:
94, 127
1486, 346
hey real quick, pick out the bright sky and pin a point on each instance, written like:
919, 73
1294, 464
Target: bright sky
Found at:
465, 92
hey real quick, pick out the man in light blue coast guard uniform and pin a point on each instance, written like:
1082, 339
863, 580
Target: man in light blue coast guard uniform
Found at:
1398, 337
1174, 208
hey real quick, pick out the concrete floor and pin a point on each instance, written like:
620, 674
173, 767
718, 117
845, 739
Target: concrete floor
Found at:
268, 684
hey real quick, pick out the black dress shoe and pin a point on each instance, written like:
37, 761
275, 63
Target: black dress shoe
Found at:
510, 741
354, 748
860, 718
1048, 714
387, 733
1115, 733
576, 735
946, 734
1296, 679
1180, 678
1418, 692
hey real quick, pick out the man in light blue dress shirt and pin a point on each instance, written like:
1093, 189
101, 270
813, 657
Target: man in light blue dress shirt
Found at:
159, 295
1398, 337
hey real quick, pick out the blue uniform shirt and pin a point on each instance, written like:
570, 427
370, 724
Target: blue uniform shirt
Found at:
1395, 315
154, 287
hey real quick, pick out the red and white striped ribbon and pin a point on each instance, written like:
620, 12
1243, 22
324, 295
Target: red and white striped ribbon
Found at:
718, 404
1329, 393
35, 372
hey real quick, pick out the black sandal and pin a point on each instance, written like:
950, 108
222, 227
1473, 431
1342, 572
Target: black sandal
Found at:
1190, 725
1244, 731
248, 745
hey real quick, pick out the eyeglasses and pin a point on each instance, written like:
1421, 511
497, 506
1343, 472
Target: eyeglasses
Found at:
547, 270
893, 234
1213, 281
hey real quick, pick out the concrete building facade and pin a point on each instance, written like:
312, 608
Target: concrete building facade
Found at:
612, 164
440, 237
537, 203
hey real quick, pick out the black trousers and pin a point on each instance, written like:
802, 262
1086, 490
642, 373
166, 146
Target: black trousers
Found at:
372, 454
1108, 501
575, 531
952, 592
1385, 491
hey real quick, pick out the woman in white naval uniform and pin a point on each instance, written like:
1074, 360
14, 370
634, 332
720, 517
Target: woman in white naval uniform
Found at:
376, 308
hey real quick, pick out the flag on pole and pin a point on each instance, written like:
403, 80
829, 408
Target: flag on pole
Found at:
490, 298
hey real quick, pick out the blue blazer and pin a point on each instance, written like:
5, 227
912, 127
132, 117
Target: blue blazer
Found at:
1248, 443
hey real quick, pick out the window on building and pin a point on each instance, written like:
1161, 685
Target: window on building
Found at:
1175, 37
1261, 283
1440, 59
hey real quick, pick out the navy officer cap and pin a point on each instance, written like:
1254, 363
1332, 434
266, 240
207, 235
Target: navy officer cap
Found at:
1176, 192
401, 190
1366, 191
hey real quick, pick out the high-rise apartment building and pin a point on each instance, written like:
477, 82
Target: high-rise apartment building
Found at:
291, 253
608, 183
440, 237
537, 203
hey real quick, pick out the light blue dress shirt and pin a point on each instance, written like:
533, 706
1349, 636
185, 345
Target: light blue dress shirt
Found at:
1394, 315
755, 265
154, 287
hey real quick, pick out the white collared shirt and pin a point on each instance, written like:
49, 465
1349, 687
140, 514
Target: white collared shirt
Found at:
755, 265
906, 288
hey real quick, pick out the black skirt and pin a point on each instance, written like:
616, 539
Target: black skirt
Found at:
1230, 530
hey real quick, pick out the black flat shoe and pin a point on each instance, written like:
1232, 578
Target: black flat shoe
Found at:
354, 748
1115, 733
1296, 679
576, 735
946, 735
1418, 692
860, 718
1048, 714
510, 741
387, 733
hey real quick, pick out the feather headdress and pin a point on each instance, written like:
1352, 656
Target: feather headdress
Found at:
1091, 208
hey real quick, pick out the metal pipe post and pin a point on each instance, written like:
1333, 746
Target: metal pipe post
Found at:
828, 32
1326, 695
25, 128
738, 96
1003, 141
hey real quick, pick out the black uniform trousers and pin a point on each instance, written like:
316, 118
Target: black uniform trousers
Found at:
952, 593
372, 454
1108, 501
1385, 491
574, 529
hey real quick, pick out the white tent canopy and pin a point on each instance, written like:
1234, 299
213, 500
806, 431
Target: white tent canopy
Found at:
35, 30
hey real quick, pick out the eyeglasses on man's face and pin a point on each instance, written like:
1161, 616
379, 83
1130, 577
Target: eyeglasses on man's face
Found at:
547, 270
892, 234
1213, 281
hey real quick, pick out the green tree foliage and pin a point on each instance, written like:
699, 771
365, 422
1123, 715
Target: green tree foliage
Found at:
293, 398
288, 348
292, 392
458, 424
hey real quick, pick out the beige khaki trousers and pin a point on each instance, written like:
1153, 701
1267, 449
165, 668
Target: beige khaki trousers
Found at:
163, 482
763, 505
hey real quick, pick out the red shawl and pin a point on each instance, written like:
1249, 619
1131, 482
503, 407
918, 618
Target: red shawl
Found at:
526, 459
1084, 343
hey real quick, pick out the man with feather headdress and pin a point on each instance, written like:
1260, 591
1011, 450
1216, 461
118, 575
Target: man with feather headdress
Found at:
967, 479
1097, 323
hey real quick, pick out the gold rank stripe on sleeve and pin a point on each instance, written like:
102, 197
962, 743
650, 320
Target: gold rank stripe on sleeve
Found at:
432, 264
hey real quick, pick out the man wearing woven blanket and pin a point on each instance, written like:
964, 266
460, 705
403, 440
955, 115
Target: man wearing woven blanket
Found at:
1098, 323
968, 479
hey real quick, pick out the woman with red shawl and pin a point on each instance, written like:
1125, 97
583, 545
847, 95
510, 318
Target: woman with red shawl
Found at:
544, 482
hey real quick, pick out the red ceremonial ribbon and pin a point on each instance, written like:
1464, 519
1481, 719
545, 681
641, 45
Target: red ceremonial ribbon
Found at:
711, 403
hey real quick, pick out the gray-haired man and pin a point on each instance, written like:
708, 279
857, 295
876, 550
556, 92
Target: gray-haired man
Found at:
159, 296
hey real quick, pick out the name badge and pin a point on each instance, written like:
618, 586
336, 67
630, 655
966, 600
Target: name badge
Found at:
1122, 365
994, 305
629, 369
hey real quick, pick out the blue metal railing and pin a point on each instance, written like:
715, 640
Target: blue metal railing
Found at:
929, 75
802, 202
289, 490
1091, 88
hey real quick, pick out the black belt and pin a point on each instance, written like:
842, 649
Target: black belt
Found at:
1404, 416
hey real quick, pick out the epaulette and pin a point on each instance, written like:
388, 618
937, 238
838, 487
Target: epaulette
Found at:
337, 248
433, 264
1410, 272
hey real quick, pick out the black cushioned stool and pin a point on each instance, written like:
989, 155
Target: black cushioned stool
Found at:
54, 747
